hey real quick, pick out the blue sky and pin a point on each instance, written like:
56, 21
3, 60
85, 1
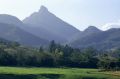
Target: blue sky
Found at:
80, 13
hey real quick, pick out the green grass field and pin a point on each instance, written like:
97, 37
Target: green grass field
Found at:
55, 73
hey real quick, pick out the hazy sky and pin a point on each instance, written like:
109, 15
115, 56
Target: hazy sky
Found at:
80, 13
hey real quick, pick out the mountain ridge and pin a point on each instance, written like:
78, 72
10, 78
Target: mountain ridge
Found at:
11, 29
43, 26
102, 40
47, 20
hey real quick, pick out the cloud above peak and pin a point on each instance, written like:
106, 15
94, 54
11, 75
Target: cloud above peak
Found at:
108, 26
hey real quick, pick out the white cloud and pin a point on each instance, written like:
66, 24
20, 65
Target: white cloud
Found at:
111, 25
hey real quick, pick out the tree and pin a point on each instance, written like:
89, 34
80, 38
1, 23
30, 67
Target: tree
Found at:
67, 50
89, 53
58, 56
52, 46
106, 62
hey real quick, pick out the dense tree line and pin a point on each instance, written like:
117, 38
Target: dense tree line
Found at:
56, 55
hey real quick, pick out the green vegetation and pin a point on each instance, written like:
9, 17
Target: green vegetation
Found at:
61, 62
56, 55
54, 73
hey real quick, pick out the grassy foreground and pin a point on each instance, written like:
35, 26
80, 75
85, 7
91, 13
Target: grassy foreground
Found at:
55, 73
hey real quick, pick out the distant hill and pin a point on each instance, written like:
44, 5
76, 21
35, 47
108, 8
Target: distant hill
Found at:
109, 39
89, 31
14, 33
9, 19
49, 26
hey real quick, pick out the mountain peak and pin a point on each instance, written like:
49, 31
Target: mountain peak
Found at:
51, 25
43, 9
92, 29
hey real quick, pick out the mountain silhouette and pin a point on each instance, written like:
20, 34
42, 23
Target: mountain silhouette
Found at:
49, 26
